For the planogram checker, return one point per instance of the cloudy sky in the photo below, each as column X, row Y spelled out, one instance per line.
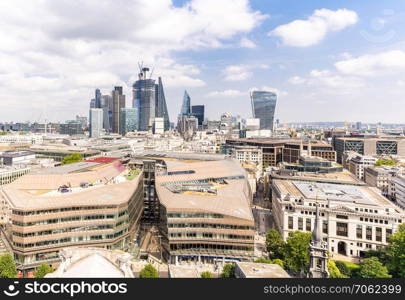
column 328, row 60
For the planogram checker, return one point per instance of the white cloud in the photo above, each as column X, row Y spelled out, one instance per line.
column 374, row 64
column 227, row 93
column 246, row 43
column 241, row 72
column 64, row 49
column 237, row 73
column 331, row 80
column 304, row 33
column 297, row 80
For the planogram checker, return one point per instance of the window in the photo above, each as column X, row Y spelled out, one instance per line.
column 290, row 223
column 369, row 233
column 378, row 234
column 300, row 224
column 308, row 224
column 388, row 233
column 341, row 217
column 359, row 231
column 341, row 229
column 325, row 227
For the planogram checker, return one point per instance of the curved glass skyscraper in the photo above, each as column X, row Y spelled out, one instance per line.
column 263, row 107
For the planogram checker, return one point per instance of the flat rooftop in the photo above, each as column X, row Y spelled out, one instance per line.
column 262, row 270
column 344, row 177
column 340, row 194
column 232, row 198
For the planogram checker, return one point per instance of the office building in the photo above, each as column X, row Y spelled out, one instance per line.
column 198, row 112
column 16, row 158
column 161, row 106
column 358, row 163
column 129, row 120
column 150, row 101
column 107, row 106
column 382, row 178
column 72, row 127
column 263, row 107
column 118, row 102
column 354, row 218
column 62, row 210
column 158, row 126
column 399, row 189
column 96, row 122
column 186, row 106
column 205, row 212
column 369, row 146
column 97, row 99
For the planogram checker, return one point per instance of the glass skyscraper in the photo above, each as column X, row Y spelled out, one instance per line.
column 129, row 120
column 263, row 107
column 186, row 106
column 149, row 100
column 198, row 112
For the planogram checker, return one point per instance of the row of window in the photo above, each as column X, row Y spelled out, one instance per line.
column 70, row 229
column 56, row 210
column 69, row 219
column 73, row 239
column 208, row 225
column 209, row 235
column 194, row 215
column 198, row 247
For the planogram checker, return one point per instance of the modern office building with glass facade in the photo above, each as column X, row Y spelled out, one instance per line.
column 198, row 112
column 129, row 120
column 149, row 100
column 186, row 106
column 205, row 212
column 263, row 108
column 83, row 204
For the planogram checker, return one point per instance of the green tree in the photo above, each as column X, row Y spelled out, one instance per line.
column 262, row 260
column 396, row 253
column 274, row 244
column 228, row 271
column 7, row 266
column 278, row 262
column 207, row 274
column 296, row 251
column 348, row 269
column 75, row 157
column 42, row 270
column 334, row 271
column 149, row 271
column 372, row 268
column 270, row 261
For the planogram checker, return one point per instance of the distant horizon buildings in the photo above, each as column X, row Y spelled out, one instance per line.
column 263, row 108
column 129, row 120
column 186, row 105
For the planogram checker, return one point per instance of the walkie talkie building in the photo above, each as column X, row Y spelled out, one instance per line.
column 263, row 107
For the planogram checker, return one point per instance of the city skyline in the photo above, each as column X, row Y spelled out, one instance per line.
column 353, row 57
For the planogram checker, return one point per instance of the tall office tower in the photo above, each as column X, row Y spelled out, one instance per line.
column 129, row 120
column 263, row 107
column 97, row 98
column 92, row 103
column 198, row 112
column 118, row 102
column 107, row 105
column 150, row 101
column 161, row 107
column 186, row 106
column 96, row 122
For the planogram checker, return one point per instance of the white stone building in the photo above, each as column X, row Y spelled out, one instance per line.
column 355, row 219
